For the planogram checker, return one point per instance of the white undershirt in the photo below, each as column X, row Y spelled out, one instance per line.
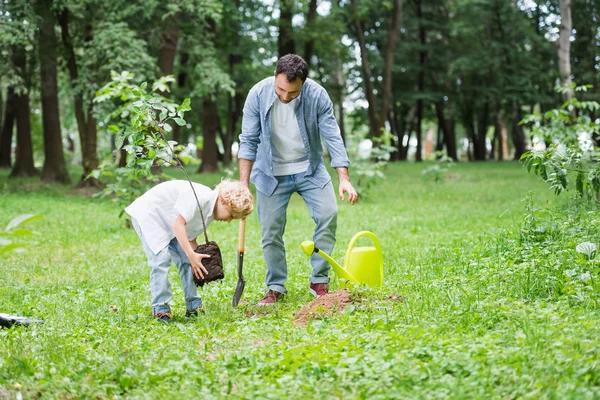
column 289, row 154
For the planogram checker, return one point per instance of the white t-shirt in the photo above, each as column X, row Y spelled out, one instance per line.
column 156, row 210
column 289, row 154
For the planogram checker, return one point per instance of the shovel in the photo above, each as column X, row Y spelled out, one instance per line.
column 239, row 289
column 7, row 320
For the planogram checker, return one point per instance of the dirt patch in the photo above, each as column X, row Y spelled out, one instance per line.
column 214, row 264
column 330, row 304
column 395, row 297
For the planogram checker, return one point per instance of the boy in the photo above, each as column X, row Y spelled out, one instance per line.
column 167, row 220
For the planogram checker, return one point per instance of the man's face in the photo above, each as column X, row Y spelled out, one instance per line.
column 287, row 91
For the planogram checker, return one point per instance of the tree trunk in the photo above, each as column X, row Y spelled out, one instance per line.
column 210, row 122
column 564, row 45
column 24, row 154
column 285, row 41
column 419, row 131
column 470, row 127
column 449, row 139
column 7, row 129
column 338, row 92
column 85, row 127
column 377, row 120
column 366, row 67
column 311, row 16
column 236, row 105
column 517, row 132
column 55, row 168
column 181, row 82
column 479, row 144
column 392, row 41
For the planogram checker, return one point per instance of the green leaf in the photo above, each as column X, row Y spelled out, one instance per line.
column 113, row 128
column 185, row 105
column 22, row 219
column 11, row 247
column 119, row 141
column 179, row 121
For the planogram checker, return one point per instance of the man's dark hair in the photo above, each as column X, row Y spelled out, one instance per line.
column 293, row 66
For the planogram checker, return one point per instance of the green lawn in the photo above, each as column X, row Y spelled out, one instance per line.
column 496, row 303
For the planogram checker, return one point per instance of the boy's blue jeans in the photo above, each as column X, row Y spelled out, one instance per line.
column 160, row 264
column 322, row 205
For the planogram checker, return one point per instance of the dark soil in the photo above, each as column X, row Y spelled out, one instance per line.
column 330, row 304
column 214, row 264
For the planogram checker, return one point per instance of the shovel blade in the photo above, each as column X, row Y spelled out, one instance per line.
column 239, row 290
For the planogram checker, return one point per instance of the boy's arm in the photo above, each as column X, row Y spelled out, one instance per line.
column 194, row 258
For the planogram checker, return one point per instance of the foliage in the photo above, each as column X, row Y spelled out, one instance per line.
column 573, row 152
column 369, row 168
column 14, row 231
column 123, row 186
column 496, row 302
column 143, row 119
column 439, row 170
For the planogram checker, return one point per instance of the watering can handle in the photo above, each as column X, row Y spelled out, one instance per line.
column 375, row 242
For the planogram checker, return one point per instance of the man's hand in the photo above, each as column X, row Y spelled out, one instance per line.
column 197, row 268
column 346, row 187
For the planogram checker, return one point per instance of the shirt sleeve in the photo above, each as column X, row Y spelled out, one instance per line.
column 330, row 131
column 251, row 128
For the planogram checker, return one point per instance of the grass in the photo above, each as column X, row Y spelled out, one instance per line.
column 496, row 301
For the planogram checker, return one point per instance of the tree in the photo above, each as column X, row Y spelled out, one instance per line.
column 55, row 168
column 94, row 45
column 564, row 45
column 378, row 115
column 285, row 41
column 6, row 133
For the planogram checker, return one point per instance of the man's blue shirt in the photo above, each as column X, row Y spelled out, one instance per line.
column 314, row 111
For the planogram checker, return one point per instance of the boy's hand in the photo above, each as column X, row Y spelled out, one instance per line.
column 197, row 268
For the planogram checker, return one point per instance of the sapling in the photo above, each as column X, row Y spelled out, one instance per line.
column 143, row 119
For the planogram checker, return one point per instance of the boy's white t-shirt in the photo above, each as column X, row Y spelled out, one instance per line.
column 156, row 210
column 289, row 154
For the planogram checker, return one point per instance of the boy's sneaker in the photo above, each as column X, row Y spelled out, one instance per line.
column 319, row 289
column 163, row 317
column 194, row 313
column 271, row 298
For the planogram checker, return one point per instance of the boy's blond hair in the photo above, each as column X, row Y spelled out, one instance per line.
column 237, row 197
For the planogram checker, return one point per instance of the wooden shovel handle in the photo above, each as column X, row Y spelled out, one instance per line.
column 241, row 235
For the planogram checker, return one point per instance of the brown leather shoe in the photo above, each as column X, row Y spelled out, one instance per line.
column 271, row 298
column 163, row 317
column 319, row 289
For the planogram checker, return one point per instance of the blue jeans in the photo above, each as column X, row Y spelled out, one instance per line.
column 160, row 264
column 322, row 205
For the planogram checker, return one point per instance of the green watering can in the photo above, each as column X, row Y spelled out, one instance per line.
column 361, row 264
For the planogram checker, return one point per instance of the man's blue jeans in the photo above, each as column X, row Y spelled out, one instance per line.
column 160, row 264
column 322, row 205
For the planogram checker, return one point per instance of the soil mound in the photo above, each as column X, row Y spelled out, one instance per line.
column 327, row 305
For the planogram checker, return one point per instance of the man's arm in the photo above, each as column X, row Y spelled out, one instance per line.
column 245, row 168
column 195, row 259
column 345, row 185
column 330, row 131
column 250, row 136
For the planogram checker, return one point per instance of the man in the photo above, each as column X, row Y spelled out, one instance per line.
column 285, row 117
